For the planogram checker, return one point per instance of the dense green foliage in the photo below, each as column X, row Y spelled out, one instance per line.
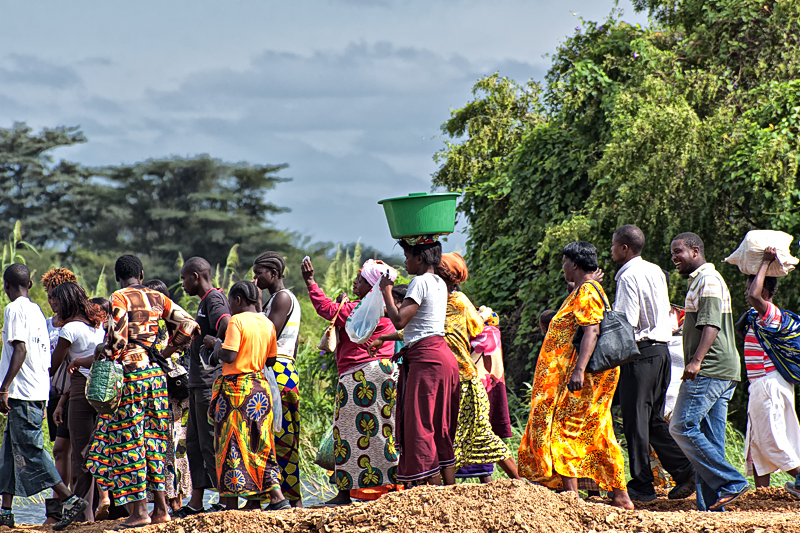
column 688, row 125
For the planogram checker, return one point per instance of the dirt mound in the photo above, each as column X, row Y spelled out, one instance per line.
column 502, row 505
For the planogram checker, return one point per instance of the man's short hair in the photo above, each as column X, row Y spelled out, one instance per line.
column 17, row 275
column 199, row 265
column 128, row 267
column 691, row 240
column 632, row 237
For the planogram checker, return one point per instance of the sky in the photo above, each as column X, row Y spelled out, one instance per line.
column 350, row 93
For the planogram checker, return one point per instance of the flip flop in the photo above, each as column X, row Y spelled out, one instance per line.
column 727, row 499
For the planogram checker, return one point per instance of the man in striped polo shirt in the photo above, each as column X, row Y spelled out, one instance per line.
column 709, row 379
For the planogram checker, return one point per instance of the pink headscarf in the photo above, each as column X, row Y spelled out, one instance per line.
column 373, row 271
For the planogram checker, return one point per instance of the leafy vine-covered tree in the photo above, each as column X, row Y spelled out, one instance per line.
column 690, row 124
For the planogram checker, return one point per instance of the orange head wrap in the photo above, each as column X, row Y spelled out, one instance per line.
column 456, row 265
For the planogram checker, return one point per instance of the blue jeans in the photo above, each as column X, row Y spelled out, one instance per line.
column 698, row 426
column 26, row 468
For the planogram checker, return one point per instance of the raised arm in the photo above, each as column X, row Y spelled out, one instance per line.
column 754, row 297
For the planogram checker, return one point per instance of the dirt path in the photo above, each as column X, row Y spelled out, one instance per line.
column 503, row 505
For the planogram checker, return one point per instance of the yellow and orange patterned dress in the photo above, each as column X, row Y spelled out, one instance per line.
column 570, row 434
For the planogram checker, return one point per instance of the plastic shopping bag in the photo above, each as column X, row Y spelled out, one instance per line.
column 749, row 254
column 104, row 386
column 275, row 394
column 325, row 456
column 364, row 319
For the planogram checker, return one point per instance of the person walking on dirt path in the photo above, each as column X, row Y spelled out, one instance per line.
column 772, row 443
column 283, row 310
column 241, row 407
column 643, row 299
column 126, row 455
column 569, row 434
column 213, row 315
column 428, row 389
column 709, row 378
column 26, row 468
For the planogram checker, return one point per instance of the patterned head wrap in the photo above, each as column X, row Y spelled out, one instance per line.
column 456, row 265
column 373, row 270
column 414, row 240
column 489, row 317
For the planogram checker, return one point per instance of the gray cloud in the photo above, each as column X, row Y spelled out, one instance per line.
column 31, row 70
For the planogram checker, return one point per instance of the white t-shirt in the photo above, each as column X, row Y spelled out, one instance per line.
column 84, row 339
column 25, row 322
column 430, row 292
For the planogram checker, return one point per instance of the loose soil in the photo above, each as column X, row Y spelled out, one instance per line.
column 502, row 505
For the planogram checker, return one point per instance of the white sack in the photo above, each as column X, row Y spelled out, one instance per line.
column 749, row 254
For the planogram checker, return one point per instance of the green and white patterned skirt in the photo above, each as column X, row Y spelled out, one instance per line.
column 363, row 427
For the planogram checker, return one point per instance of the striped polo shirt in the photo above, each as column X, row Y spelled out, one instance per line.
column 708, row 303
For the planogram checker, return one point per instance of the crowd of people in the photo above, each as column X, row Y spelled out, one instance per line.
column 421, row 401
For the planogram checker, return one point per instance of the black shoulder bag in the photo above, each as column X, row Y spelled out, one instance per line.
column 177, row 377
column 616, row 344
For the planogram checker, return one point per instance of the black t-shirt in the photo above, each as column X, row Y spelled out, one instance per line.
column 213, row 307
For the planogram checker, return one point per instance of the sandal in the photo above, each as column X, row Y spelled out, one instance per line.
column 725, row 500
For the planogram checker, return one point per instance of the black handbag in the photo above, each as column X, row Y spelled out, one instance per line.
column 177, row 376
column 616, row 344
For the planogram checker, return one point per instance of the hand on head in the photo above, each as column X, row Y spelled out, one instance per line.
column 770, row 254
column 386, row 281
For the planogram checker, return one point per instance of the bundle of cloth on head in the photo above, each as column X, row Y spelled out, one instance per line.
column 373, row 270
column 456, row 265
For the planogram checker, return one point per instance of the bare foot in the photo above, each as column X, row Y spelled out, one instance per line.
column 136, row 523
column 159, row 517
column 621, row 499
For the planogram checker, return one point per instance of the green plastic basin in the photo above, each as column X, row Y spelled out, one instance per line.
column 421, row 213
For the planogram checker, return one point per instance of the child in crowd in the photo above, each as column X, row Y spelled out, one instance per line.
column 26, row 468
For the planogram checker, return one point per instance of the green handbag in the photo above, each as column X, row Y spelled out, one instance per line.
column 104, row 386
column 325, row 457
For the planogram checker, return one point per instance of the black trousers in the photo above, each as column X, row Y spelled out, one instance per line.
column 82, row 422
column 643, row 388
column 200, row 440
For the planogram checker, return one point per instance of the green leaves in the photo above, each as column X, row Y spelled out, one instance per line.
column 690, row 125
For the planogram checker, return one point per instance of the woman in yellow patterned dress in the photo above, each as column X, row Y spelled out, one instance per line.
column 569, row 433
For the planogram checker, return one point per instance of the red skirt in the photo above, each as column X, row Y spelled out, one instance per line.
column 428, row 394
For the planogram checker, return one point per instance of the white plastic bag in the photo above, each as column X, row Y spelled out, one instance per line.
column 749, row 254
column 275, row 394
column 364, row 319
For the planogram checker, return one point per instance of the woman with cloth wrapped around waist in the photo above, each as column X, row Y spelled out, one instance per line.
column 241, row 407
column 363, row 425
column 428, row 390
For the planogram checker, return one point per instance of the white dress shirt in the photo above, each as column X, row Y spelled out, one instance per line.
column 642, row 296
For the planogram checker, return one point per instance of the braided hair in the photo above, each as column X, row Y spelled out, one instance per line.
column 246, row 290
column 74, row 304
column 55, row 277
column 271, row 261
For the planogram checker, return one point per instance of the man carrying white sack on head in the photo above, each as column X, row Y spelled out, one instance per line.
column 772, row 360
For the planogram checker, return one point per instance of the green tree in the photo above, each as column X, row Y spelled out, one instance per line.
column 688, row 125
column 48, row 198
column 195, row 206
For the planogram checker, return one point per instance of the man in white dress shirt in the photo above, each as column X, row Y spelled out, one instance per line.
column 643, row 298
